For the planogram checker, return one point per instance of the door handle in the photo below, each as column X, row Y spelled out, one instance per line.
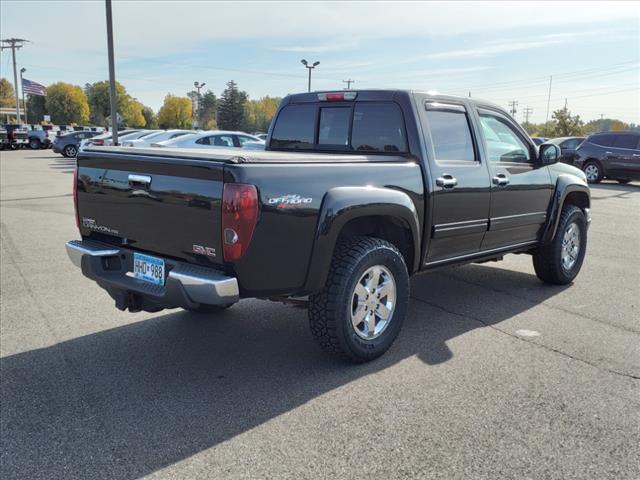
column 140, row 179
column 446, row 181
column 500, row 179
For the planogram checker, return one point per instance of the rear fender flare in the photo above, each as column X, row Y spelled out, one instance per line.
column 343, row 204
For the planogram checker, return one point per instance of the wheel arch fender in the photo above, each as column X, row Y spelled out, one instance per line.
column 569, row 190
column 342, row 205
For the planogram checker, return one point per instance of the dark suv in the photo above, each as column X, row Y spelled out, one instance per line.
column 614, row 155
column 568, row 146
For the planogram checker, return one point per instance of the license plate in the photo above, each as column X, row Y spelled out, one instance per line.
column 147, row 268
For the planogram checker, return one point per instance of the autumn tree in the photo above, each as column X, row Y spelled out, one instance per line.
column 566, row 124
column 258, row 113
column 231, row 107
column 175, row 112
column 7, row 94
column 67, row 103
column 132, row 114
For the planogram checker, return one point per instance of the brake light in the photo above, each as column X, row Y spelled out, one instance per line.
column 239, row 217
column 337, row 96
column 99, row 141
column 75, row 196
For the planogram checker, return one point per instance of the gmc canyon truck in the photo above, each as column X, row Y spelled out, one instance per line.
column 355, row 192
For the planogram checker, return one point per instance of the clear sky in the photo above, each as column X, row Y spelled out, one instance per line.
column 499, row 51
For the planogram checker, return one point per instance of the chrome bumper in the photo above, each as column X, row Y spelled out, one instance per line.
column 186, row 285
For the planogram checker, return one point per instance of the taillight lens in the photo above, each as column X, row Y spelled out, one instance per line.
column 75, row 196
column 98, row 142
column 239, row 217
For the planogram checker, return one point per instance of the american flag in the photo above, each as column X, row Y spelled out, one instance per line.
column 33, row 88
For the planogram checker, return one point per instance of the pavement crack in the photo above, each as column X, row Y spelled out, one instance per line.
column 540, row 345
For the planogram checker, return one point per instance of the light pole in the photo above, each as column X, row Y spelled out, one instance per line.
column 197, row 105
column 112, row 76
column 26, row 118
column 309, row 67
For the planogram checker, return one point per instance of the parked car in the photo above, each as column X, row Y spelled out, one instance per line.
column 156, row 137
column 568, row 146
column 68, row 144
column 38, row 137
column 122, row 134
column 210, row 139
column 4, row 139
column 356, row 191
column 136, row 135
column 539, row 140
column 97, row 140
column 261, row 145
column 262, row 136
column 614, row 155
column 18, row 135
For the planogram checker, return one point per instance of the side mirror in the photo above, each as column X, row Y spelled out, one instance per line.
column 548, row 153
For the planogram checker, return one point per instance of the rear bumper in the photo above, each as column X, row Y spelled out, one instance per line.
column 186, row 285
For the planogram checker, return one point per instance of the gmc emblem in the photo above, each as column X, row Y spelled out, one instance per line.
column 207, row 251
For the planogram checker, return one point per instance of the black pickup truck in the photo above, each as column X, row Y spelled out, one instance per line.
column 355, row 192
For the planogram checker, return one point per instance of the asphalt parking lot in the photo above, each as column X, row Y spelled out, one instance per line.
column 494, row 375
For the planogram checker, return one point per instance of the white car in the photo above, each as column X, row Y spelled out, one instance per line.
column 151, row 140
column 136, row 135
column 211, row 139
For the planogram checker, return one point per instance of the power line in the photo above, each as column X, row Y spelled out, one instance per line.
column 513, row 104
column 527, row 111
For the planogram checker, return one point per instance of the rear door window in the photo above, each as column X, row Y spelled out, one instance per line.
column 378, row 128
column 451, row 136
column 295, row 127
column 626, row 141
column 334, row 126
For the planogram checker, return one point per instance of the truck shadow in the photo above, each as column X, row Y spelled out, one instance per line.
column 128, row 401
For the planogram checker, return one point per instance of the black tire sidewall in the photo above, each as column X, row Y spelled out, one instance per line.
column 599, row 167
column 35, row 144
column 578, row 218
column 369, row 349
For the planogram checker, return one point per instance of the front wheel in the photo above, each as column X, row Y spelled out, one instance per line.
column 560, row 261
column 70, row 151
column 359, row 312
column 34, row 144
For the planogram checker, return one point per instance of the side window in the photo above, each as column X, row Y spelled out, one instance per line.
column 221, row 141
column 334, row 126
column 294, row 127
column 571, row 144
column 244, row 139
column 604, row 140
column 626, row 141
column 179, row 134
column 503, row 143
column 203, row 141
column 451, row 136
column 378, row 128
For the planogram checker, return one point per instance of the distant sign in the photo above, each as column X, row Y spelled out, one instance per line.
column 47, row 118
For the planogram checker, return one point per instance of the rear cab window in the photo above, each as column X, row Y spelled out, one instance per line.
column 362, row 127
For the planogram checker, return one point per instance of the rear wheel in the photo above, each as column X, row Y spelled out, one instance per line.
column 35, row 144
column 70, row 151
column 593, row 172
column 359, row 312
column 560, row 261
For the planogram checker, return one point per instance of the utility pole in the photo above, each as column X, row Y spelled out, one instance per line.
column 565, row 103
column 348, row 82
column 513, row 104
column 549, row 97
column 14, row 44
column 26, row 118
column 112, row 75
column 309, row 67
column 197, row 103
column 527, row 111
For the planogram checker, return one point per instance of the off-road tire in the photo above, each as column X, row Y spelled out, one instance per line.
column 547, row 261
column 597, row 165
column 209, row 309
column 330, row 309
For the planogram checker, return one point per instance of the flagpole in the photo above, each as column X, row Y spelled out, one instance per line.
column 24, row 104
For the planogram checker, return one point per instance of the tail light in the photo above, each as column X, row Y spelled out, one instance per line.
column 239, row 217
column 75, row 196
column 99, row 141
column 12, row 135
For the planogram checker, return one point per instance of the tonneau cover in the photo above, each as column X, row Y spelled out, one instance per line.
column 237, row 155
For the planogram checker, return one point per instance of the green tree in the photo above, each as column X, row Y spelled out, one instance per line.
column 175, row 112
column 36, row 108
column 149, row 117
column 566, row 124
column 207, row 111
column 231, row 107
column 7, row 94
column 258, row 113
column 67, row 103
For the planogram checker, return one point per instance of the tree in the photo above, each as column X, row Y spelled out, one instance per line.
column 207, row 111
column 175, row 112
column 67, row 103
column 231, row 107
column 567, row 124
column 132, row 114
column 100, row 101
column 7, row 94
column 36, row 108
column 149, row 117
column 258, row 113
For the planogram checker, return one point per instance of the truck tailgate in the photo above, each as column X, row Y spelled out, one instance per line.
column 165, row 206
